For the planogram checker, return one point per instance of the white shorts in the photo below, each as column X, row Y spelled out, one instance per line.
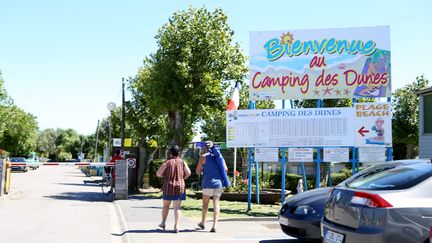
column 212, row 192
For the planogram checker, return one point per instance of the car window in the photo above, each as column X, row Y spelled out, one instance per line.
column 17, row 160
column 391, row 177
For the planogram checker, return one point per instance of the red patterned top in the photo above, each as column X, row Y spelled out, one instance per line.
column 173, row 177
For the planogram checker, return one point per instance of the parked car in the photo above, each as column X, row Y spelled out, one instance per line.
column 388, row 202
column 19, row 163
column 33, row 162
column 301, row 214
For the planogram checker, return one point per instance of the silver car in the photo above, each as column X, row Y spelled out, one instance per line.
column 389, row 202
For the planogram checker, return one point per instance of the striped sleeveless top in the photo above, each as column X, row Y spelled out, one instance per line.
column 173, row 176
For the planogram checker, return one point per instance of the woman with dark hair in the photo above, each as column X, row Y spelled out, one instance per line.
column 174, row 172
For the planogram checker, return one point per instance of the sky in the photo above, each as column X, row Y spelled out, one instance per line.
column 63, row 61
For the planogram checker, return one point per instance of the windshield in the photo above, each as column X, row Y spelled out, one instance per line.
column 17, row 160
column 391, row 177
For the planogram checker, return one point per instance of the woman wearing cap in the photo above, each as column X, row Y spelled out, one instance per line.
column 212, row 182
column 174, row 172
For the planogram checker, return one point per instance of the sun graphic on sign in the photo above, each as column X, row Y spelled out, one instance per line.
column 287, row 38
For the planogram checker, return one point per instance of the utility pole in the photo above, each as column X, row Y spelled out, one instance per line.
column 97, row 137
column 123, row 116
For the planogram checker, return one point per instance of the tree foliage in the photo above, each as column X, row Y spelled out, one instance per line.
column 191, row 69
column 405, row 121
column 19, row 134
column 60, row 144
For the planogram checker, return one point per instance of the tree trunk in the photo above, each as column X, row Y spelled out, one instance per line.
column 175, row 119
column 410, row 152
column 146, row 155
column 245, row 162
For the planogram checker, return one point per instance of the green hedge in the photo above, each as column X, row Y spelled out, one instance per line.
column 291, row 181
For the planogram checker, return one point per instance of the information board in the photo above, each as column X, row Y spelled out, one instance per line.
column 291, row 128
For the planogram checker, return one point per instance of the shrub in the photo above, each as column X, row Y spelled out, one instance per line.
column 341, row 176
column 291, row 181
column 155, row 181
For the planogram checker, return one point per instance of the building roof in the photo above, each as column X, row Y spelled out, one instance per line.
column 424, row 91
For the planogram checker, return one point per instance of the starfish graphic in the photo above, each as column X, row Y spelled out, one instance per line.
column 316, row 92
column 327, row 91
column 338, row 92
column 346, row 91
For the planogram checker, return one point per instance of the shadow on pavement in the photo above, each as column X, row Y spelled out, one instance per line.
column 153, row 231
column 230, row 211
column 83, row 196
column 283, row 241
column 79, row 184
column 151, row 207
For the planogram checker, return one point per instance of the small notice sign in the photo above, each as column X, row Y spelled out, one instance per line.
column 372, row 154
column 117, row 142
column 300, row 154
column 267, row 154
column 128, row 142
column 336, row 154
column 131, row 162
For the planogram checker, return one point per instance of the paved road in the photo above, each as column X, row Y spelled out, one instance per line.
column 52, row 204
column 143, row 215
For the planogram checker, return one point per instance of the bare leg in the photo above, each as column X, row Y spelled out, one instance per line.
column 216, row 211
column 165, row 210
column 205, row 203
column 177, row 215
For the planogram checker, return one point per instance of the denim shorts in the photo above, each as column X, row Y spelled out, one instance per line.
column 174, row 198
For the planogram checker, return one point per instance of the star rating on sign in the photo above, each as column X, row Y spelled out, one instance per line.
column 327, row 91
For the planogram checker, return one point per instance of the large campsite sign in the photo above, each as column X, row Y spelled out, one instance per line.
column 320, row 64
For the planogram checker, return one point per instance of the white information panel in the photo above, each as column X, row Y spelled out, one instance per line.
column 373, row 124
column 372, row 154
column 267, row 154
column 291, row 128
column 336, row 154
column 300, row 154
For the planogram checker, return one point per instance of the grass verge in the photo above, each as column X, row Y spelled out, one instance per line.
column 191, row 207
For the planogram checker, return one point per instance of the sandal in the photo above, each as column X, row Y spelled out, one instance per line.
column 201, row 225
column 162, row 226
column 213, row 230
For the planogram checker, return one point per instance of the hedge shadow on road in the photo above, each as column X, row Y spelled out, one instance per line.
column 82, row 196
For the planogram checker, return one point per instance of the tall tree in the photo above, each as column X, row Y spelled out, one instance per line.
column 149, row 127
column 405, row 121
column 45, row 143
column 4, row 103
column 188, row 74
column 19, row 135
